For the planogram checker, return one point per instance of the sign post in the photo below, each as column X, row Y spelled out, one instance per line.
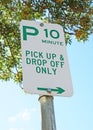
column 45, row 66
column 47, row 113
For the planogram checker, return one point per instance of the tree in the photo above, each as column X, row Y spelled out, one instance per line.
column 75, row 16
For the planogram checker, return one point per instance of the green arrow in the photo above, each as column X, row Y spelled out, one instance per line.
column 58, row 90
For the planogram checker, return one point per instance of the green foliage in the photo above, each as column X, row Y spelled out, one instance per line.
column 75, row 16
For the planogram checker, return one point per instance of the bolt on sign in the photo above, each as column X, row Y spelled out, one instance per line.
column 44, row 59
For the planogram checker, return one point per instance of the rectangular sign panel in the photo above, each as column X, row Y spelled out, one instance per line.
column 44, row 59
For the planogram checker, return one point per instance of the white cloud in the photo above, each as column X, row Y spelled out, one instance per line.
column 16, row 129
column 12, row 129
column 33, row 109
column 24, row 115
column 12, row 118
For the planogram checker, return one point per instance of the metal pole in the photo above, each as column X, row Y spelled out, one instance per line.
column 47, row 113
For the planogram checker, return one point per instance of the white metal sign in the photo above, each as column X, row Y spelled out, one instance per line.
column 44, row 59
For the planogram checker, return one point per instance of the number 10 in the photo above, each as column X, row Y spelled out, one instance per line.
column 53, row 33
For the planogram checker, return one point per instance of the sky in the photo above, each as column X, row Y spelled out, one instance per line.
column 21, row 111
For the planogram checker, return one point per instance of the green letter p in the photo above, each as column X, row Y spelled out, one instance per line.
column 26, row 32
